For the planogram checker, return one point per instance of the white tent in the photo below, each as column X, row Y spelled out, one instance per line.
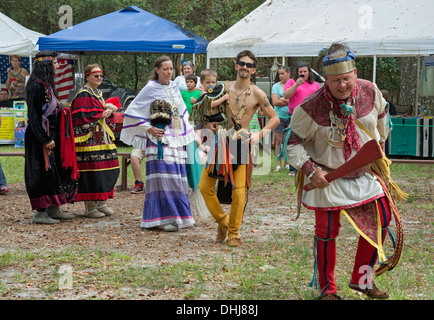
column 15, row 39
column 301, row 28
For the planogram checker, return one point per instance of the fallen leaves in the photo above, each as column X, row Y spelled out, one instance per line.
column 100, row 275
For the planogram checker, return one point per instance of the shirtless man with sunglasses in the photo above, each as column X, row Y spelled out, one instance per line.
column 244, row 99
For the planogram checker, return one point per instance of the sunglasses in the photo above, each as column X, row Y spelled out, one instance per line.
column 246, row 64
column 98, row 76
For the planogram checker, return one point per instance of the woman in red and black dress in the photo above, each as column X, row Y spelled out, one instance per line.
column 94, row 145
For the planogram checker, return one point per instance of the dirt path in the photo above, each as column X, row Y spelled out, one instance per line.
column 122, row 231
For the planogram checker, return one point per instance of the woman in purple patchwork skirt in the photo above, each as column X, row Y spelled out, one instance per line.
column 167, row 205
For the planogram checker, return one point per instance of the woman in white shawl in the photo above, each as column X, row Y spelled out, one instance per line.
column 167, row 205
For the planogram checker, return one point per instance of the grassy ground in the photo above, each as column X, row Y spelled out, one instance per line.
column 274, row 263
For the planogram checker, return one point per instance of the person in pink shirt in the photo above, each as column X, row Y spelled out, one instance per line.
column 296, row 90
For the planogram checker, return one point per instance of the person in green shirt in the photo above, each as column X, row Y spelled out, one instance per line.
column 192, row 93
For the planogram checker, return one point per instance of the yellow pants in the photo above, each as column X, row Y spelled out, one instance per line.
column 207, row 188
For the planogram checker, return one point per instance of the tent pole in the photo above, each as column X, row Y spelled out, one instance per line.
column 79, row 72
column 374, row 71
column 417, row 87
column 82, row 69
column 30, row 64
column 194, row 59
column 31, row 58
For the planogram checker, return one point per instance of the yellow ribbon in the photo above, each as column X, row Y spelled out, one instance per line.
column 378, row 246
column 85, row 148
column 81, row 139
column 106, row 130
column 382, row 166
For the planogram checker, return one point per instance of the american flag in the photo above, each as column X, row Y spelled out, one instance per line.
column 64, row 76
column 64, row 79
column 5, row 64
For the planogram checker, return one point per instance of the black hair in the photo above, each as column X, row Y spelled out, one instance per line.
column 303, row 64
column 43, row 70
column 246, row 53
column 191, row 76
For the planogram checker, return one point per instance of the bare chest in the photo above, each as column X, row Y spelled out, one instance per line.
column 241, row 107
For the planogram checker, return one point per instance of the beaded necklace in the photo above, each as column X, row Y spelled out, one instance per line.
column 237, row 118
column 342, row 115
column 239, row 95
column 341, row 124
column 95, row 92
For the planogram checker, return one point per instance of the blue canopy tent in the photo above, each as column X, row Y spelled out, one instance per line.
column 130, row 30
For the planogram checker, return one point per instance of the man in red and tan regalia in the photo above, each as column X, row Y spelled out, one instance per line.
column 327, row 129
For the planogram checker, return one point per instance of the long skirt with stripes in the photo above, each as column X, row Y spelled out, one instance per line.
column 99, row 170
column 97, row 157
column 166, row 188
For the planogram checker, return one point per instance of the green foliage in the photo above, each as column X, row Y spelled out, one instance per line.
column 206, row 18
column 388, row 74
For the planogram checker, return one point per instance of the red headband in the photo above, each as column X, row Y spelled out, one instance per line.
column 86, row 74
